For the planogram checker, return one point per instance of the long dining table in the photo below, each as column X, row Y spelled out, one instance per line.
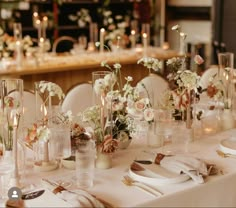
column 216, row 191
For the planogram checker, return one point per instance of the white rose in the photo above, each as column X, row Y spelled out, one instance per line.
column 148, row 114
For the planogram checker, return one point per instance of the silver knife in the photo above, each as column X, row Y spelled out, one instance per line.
column 32, row 195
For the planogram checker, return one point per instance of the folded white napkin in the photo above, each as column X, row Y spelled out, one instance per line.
column 78, row 198
column 196, row 168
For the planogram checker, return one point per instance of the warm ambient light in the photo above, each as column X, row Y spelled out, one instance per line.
column 35, row 14
column 144, row 35
column 132, row 32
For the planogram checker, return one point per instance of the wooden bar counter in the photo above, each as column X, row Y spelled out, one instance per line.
column 68, row 70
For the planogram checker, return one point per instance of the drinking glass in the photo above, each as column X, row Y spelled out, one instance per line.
column 11, row 108
column 165, row 127
column 85, row 161
column 225, row 73
column 60, row 142
column 5, row 169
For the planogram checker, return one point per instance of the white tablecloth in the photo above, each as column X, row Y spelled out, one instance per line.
column 217, row 191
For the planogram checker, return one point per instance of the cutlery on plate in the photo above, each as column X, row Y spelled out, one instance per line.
column 131, row 182
column 145, row 162
column 222, row 154
column 136, row 167
column 32, row 195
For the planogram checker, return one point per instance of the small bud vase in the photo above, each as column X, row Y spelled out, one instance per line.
column 103, row 160
column 227, row 120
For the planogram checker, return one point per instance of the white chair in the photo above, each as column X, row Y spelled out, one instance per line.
column 78, row 98
column 29, row 106
column 204, row 80
column 155, row 87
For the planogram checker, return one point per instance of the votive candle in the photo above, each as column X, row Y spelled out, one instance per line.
column 102, row 32
column 133, row 39
column 18, row 54
column 35, row 18
column 44, row 26
column 145, row 44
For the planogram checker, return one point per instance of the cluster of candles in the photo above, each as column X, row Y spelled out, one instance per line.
column 145, row 40
column 41, row 25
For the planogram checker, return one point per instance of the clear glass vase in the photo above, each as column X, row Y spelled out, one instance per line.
column 225, row 76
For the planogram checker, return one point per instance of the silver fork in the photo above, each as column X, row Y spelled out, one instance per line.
column 131, row 182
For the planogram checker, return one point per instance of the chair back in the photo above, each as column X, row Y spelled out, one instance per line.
column 29, row 101
column 155, row 86
column 69, row 39
column 204, row 80
column 78, row 98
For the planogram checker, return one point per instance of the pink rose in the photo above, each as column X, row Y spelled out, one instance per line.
column 140, row 105
column 198, row 59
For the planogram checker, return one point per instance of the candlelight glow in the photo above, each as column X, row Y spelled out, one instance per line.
column 38, row 22
column 15, row 121
column 17, row 42
column 132, row 32
column 35, row 14
column 41, row 40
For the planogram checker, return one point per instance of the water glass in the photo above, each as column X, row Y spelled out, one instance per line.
column 60, row 142
column 85, row 161
column 5, row 169
column 181, row 138
column 154, row 138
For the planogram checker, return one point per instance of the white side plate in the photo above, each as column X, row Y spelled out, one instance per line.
column 228, row 145
column 157, row 175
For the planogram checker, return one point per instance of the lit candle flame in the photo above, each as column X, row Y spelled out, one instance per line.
column 132, row 32
column 35, row 14
column 41, row 40
column 38, row 22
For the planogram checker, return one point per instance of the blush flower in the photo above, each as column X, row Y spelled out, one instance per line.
column 198, row 59
column 148, row 114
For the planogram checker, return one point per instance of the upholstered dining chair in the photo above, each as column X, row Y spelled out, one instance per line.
column 68, row 43
column 154, row 86
column 29, row 106
column 78, row 98
column 204, row 80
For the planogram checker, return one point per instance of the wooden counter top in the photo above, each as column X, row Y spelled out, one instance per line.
column 58, row 63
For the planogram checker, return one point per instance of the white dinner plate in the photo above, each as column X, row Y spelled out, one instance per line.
column 228, row 145
column 157, row 175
